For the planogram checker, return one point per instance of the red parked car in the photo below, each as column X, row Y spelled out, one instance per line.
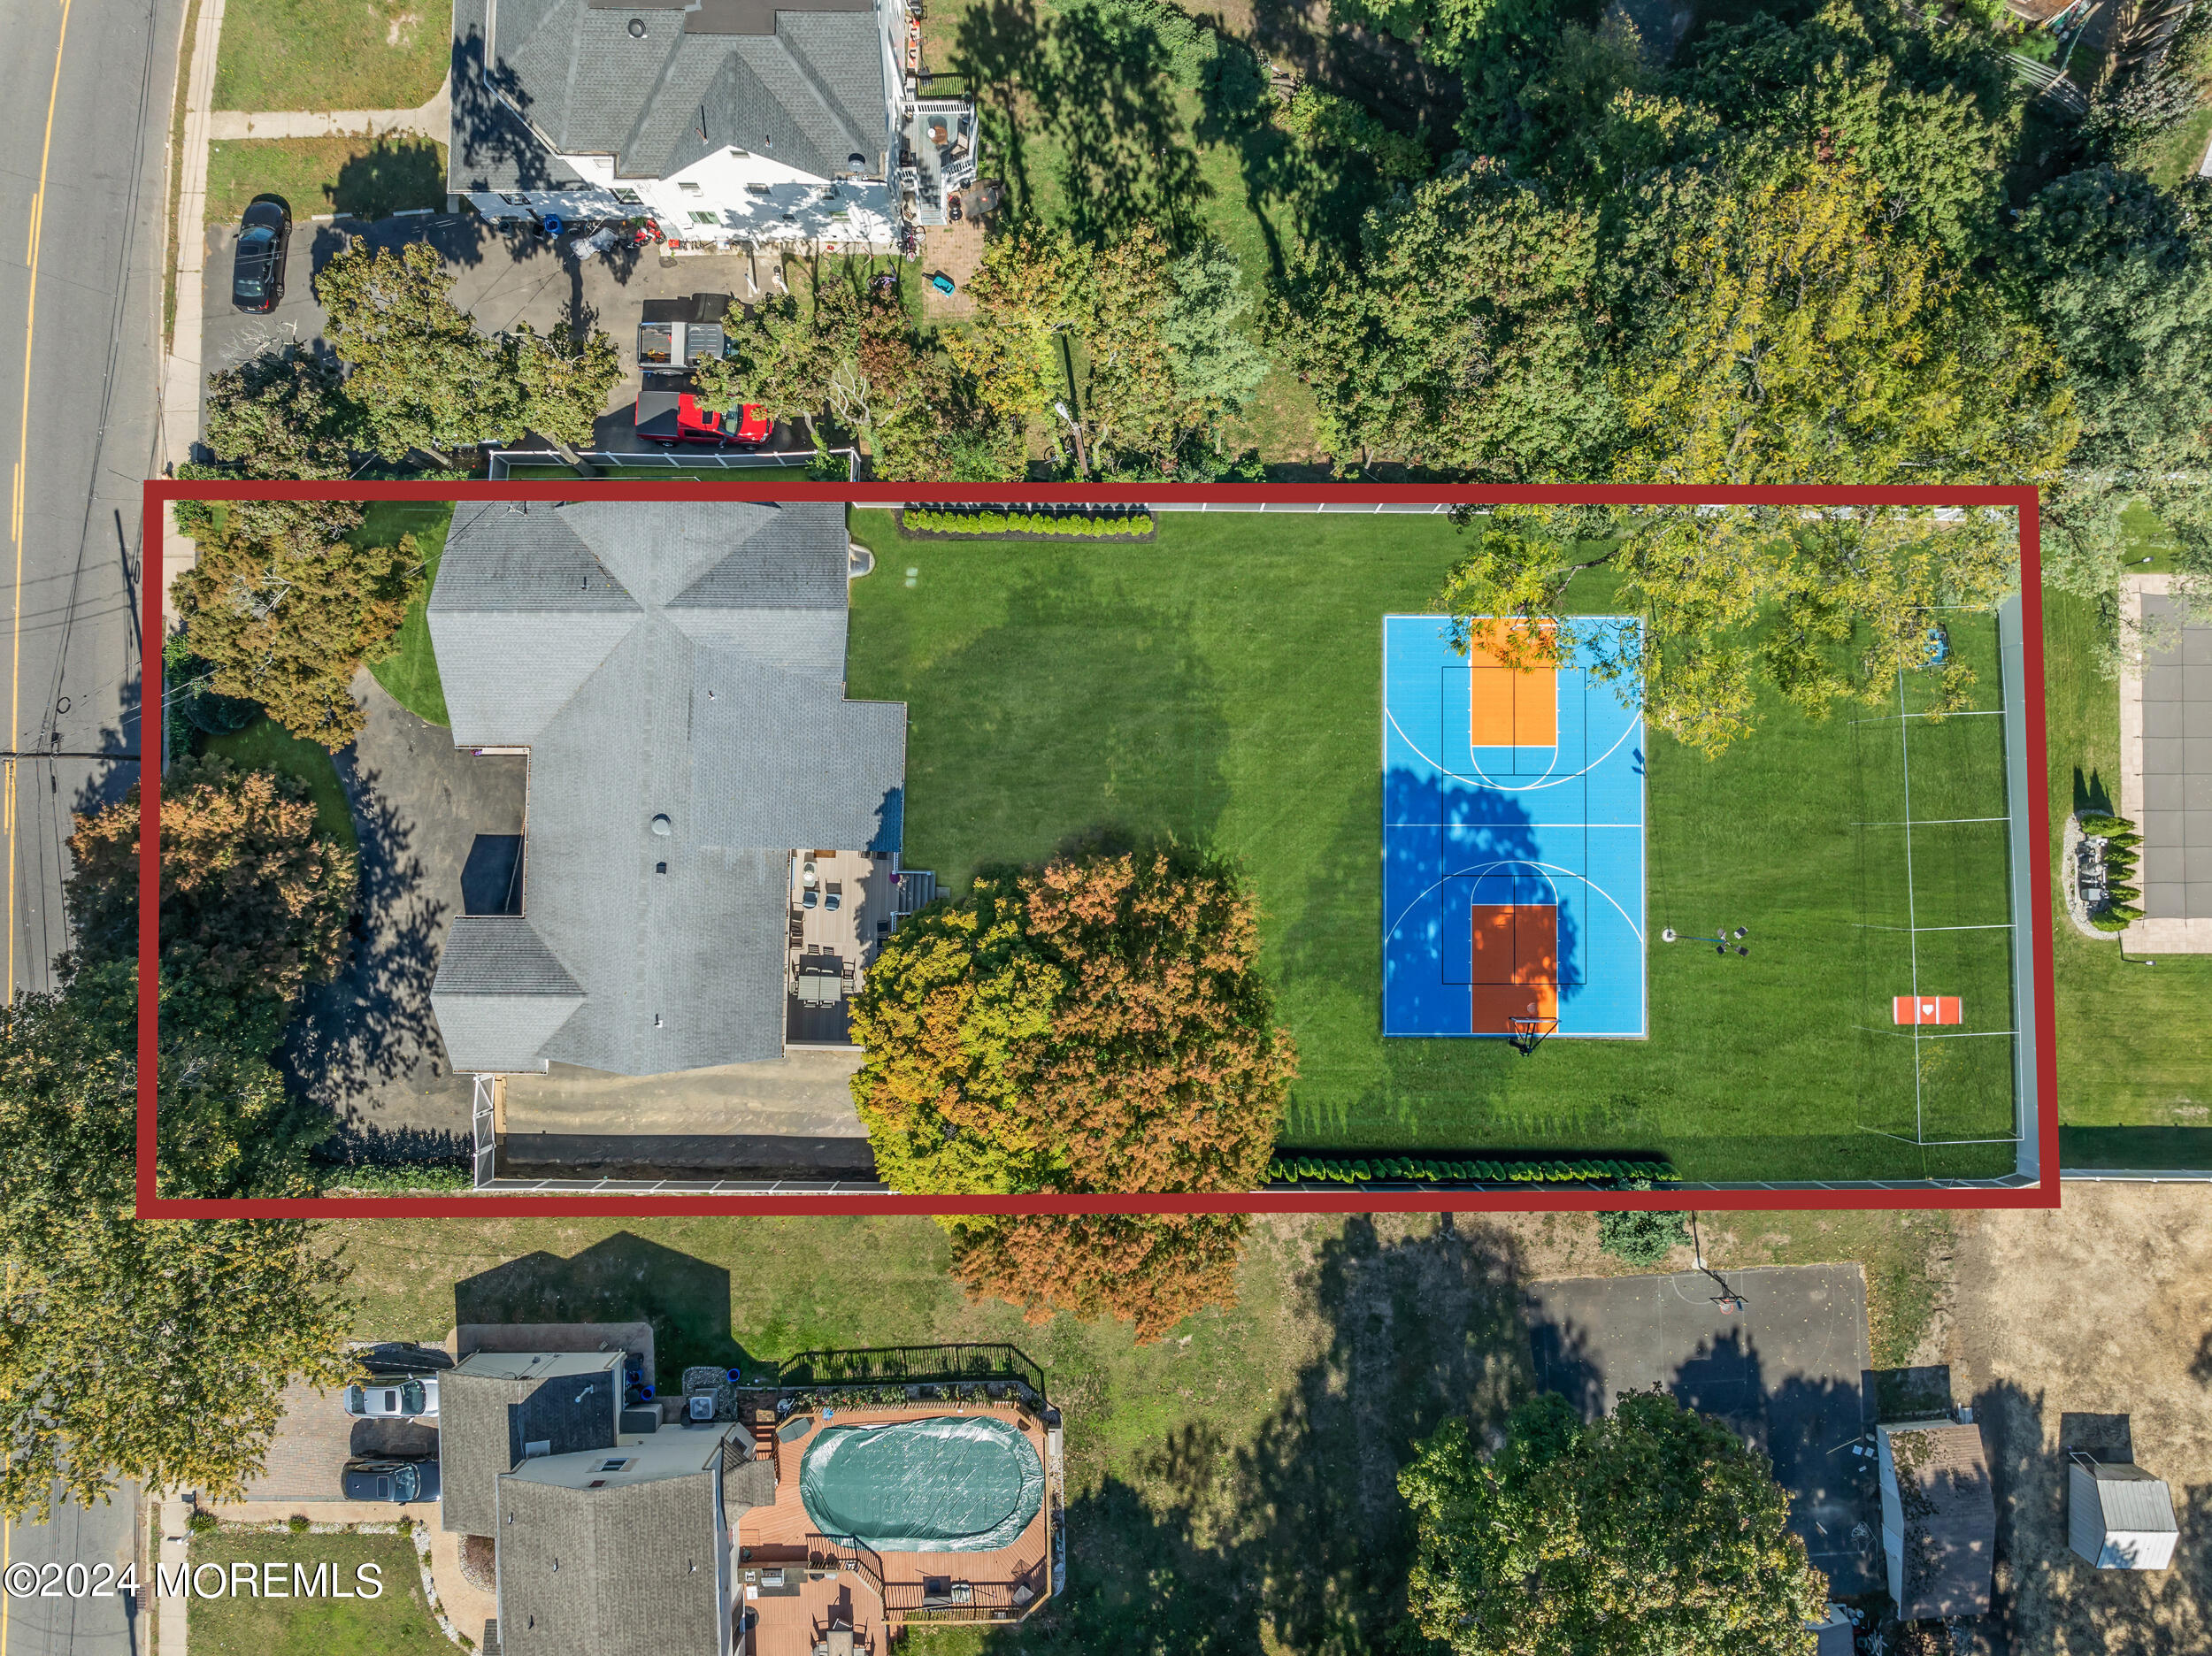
column 668, row 418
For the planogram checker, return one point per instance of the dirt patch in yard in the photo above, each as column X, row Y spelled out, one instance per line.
column 953, row 250
column 2092, row 1326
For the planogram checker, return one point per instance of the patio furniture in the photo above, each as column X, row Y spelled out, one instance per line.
column 834, row 899
column 808, row 900
column 840, row 1641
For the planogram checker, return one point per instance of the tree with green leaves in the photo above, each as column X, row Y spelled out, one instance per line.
column 154, row 1352
column 1463, row 334
column 564, row 385
column 280, row 414
column 416, row 367
column 1098, row 1024
column 288, row 625
column 2120, row 271
column 254, row 899
column 69, row 1095
column 1654, row 1529
column 1924, row 107
column 1819, row 610
column 779, row 361
column 1785, row 332
column 159, row 1353
column 1155, row 343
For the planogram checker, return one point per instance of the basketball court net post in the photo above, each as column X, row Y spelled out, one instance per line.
column 1527, row 1033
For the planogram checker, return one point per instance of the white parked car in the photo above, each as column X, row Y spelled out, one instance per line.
column 409, row 1398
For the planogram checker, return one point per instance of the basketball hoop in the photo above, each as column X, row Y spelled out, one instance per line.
column 1527, row 1033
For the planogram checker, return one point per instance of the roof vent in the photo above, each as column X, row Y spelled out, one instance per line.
column 637, row 28
column 857, row 159
column 663, row 827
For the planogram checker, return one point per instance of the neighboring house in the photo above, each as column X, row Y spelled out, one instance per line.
column 676, row 674
column 727, row 122
column 613, row 1534
column 1939, row 1519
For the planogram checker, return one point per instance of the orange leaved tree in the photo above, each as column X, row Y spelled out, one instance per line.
column 1096, row 1026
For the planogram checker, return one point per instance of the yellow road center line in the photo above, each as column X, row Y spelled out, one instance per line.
column 22, row 467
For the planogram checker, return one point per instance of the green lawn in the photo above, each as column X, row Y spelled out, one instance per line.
column 332, row 54
column 266, row 745
column 1221, row 684
column 2132, row 1048
column 365, row 178
column 1230, row 1488
column 1085, row 129
column 398, row 1620
column 410, row 673
column 2181, row 151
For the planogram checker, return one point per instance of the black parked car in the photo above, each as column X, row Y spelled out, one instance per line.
column 392, row 1480
column 256, row 279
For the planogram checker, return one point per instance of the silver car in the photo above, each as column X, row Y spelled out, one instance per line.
column 414, row 1397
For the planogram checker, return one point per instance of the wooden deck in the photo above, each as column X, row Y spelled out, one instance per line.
column 837, row 1587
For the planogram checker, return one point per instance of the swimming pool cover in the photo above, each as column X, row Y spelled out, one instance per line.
column 944, row 1484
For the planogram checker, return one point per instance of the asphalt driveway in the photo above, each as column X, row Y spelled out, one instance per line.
column 1789, row 1372
column 503, row 276
column 432, row 820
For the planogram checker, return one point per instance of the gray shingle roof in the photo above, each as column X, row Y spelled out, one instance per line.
column 491, row 1405
column 803, row 82
column 500, row 994
column 629, row 1570
column 718, row 703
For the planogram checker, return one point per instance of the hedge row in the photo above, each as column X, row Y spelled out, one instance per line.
column 388, row 1178
column 929, row 520
column 1353, row 1170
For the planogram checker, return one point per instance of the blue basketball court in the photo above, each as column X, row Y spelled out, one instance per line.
column 1513, row 841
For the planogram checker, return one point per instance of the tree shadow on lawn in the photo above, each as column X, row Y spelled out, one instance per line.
column 398, row 171
column 1202, row 1543
column 1096, row 86
column 1057, row 721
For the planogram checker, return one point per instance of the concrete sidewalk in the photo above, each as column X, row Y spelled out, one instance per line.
column 433, row 120
column 182, row 376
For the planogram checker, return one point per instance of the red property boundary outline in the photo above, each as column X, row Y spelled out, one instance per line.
column 2022, row 499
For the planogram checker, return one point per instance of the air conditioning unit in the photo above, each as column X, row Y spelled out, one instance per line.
column 702, row 1407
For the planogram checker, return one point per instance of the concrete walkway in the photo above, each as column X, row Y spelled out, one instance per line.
column 173, row 1550
column 433, row 120
column 182, row 376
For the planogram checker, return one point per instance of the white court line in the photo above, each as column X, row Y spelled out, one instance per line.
column 1549, row 869
column 1994, row 925
column 1483, row 778
column 1931, row 822
column 1513, row 825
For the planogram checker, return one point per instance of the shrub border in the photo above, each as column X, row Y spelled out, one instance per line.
column 1296, row 1170
column 1151, row 534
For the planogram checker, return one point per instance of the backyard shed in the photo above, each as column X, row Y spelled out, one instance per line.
column 2118, row 1516
column 1939, row 1519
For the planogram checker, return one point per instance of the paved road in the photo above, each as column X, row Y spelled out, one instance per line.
column 85, row 92
column 36, row 1624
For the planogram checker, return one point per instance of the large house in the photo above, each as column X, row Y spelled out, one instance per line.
column 710, row 856
column 742, row 1521
column 613, row 1533
column 727, row 122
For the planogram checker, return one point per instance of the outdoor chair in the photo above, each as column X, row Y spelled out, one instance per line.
column 807, row 901
column 835, row 900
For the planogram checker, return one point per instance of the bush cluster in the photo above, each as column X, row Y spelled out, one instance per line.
column 1356, row 1169
column 2121, row 858
column 1080, row 525
column 391, row 1177
column 1328, row 121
